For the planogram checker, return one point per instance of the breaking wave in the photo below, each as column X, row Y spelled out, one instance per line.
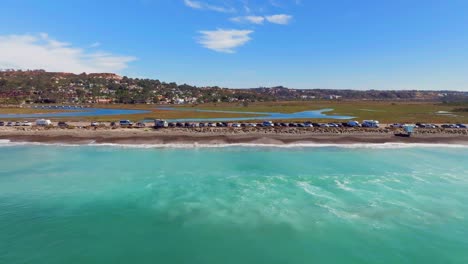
column 8, row 143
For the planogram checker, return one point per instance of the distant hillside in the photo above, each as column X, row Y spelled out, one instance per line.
column 39, row 86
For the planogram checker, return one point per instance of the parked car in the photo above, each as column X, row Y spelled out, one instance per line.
column 140, row 125
column 292, row 125
column 2, row 123
column 236, row 125
column 251, row 125
column 428, row 126
column 62, row 124
column 371, row 123
column 396, row 125
column 125, row 123
column 179, row 124
column 18, row 123
column 324, row 125
column 267, row 124
column 160, row 123
column 172, row 124
column 95, row 124
column 9, row 124
column 353, row 123
column 461, row 125
column 202, row 125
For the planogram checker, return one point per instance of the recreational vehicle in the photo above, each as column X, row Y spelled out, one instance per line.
column 43, row 122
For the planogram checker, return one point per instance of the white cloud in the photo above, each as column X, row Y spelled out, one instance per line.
column 275, row 19
column 205, row 6
column 222, row 40
column 193, row 4
column 249, row 19
column 281, row 19
column 39, row 51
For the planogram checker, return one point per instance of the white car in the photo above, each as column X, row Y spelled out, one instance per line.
column 236, row 125
column 94, row 124
column 251, row 125
column 27, row 123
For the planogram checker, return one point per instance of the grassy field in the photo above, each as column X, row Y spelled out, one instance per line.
column 385, row 112
column 17, row 110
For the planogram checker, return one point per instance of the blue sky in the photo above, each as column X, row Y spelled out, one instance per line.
column 358, row 44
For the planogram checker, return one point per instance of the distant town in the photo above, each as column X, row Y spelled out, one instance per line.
column 39, row 86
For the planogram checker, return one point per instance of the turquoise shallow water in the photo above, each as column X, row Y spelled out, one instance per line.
column 233, row 205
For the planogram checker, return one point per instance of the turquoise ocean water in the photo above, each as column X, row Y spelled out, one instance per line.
column 107, row 204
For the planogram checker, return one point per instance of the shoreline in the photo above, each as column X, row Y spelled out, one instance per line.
column 223, row 136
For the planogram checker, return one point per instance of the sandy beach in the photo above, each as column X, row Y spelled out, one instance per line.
column 278, row 135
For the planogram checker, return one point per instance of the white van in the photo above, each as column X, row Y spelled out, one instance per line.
column 43, row 122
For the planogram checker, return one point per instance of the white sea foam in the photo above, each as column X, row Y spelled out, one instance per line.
column 6, row 142
column 343, row 185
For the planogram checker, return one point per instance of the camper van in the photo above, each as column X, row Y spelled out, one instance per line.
column 370, row 123
column 43, row 122
column 160, row 123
